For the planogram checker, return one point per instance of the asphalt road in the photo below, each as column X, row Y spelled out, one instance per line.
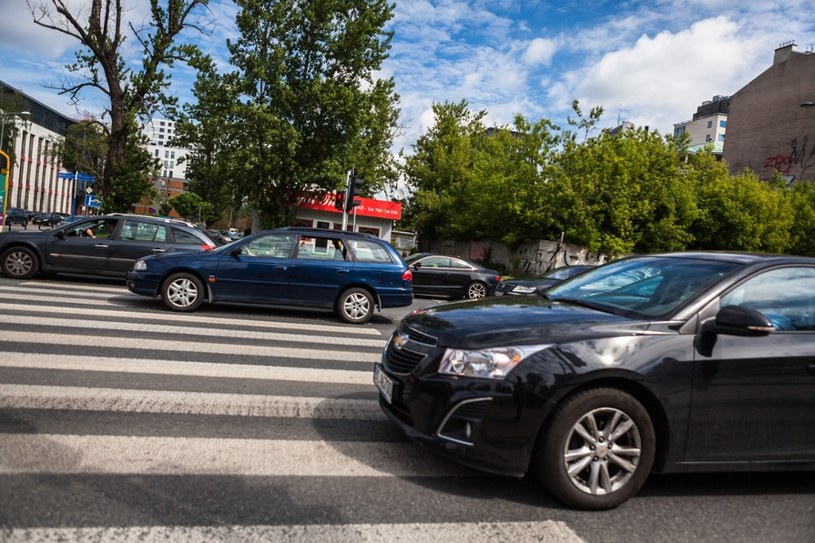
column 122, row 421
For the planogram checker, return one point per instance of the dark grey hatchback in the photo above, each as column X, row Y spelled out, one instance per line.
column 684, row 362
column 101, row 245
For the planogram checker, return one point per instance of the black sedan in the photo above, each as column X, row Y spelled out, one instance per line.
column 683, row 362
column 48, row 218
column 521, row 287
column 447, row 276
column 101, row 245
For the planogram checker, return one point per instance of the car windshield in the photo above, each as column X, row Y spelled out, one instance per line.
column 641, row 287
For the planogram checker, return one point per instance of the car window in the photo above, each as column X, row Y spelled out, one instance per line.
column 143, row 231
column 321, row 248
column 436, row 262
column 270, row 246
column 458, row 263
column 184, row 237
column 786, row 296
column 368, row 251
column 98, row 228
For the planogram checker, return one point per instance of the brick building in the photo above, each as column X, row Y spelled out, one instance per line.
column 771, row 120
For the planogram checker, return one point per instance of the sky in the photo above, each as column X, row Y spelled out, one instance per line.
column 651, row 63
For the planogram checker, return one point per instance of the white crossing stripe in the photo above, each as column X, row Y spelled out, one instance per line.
column 190, row 403
column 545, row 531
column 189, row 369
column 137, row 455
column 93, row 341
column 88, row 323
column 189, row 318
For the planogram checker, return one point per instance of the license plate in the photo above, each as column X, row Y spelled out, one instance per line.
column 383, row 383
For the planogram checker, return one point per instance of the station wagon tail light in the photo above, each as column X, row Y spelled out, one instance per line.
column 498, row 278
column 407, row 276
column 207, row 247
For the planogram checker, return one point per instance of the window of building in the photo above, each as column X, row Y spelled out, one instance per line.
column 323, row 224
column 679, row 130
column 708, row 138
column 723, row 123
column 156, row 152
column 721, row 137
column 710, row 124
column 161, row 123
column 172, row 154
column 166, row 154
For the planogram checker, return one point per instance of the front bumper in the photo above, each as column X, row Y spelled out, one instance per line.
column 488, row 425
column 142, row 283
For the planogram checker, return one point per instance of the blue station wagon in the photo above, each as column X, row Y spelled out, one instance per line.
column 349, row 272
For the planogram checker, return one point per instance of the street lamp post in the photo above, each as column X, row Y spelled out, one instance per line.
column 3, row 116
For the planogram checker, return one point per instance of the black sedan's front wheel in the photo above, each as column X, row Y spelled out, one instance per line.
column 19, row 263
column 598, row 449
column 182, row 292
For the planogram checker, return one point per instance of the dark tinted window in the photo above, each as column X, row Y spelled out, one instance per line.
column 182, row 236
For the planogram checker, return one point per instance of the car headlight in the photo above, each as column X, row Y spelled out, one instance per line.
column 486, row 363
column 523, row 289
column 140, row 265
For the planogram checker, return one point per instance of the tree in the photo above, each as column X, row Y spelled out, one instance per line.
column 192, row 207
column 311, row 108
column 132, row 93
column 207, row 128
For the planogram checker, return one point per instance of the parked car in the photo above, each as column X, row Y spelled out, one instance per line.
column 16, row 215
column 684, row 362
column 520, row 287
column 71, row 247
column 349, row 272
column 49, row 218
column 439, row 275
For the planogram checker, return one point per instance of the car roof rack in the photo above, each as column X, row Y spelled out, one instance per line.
column 323, row 231
column 163, row 219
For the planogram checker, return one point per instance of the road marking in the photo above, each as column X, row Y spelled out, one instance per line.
column 138, row 455
column 546, row 531
column 208, row 333
column 188, row 403
column 190, row 318
column 175, row 367
column 137, row 345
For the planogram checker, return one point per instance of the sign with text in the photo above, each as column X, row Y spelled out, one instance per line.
column 368, row 207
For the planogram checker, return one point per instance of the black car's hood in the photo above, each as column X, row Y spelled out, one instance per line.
column 506, row 320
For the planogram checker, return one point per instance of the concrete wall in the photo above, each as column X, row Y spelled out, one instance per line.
column 529, row 260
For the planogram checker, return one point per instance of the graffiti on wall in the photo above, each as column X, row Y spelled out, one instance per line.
column 796, row 163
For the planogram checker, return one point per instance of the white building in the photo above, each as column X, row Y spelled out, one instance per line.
column 33, row 181
column 708, row 126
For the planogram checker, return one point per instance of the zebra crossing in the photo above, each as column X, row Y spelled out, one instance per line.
column 120, row 421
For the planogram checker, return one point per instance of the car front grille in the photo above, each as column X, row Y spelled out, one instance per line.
column 420, row 337
column 402, row 361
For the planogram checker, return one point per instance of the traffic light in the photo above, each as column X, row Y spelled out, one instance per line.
column 339, row 200
column 350, row 191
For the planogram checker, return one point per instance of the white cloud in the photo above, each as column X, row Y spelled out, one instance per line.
column 540, row 51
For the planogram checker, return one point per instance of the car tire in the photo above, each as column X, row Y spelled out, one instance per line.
column 355, row 306
column 577, row 462
column 19, row 263
column 182, row 292
column 475, row 290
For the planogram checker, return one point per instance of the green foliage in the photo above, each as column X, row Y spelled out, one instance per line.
column 307, row 107
column 634, row 191
column 192, row 207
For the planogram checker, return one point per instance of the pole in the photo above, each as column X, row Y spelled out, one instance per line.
column 348, row 181
column 76, row 184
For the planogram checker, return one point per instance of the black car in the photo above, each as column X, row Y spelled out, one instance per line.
column 101, row 245
column 448, row 276
column 16, row 215
column 520, row 287
column 48, row 218
column 684, row 362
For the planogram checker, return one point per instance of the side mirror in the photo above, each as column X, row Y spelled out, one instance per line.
column 60, row 234
column 735, row 320
column 417, row 266
column 236, row 251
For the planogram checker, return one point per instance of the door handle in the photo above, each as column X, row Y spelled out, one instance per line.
column 159, row 250
column 100, row 246
column 343, row 271
column 281, row 268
